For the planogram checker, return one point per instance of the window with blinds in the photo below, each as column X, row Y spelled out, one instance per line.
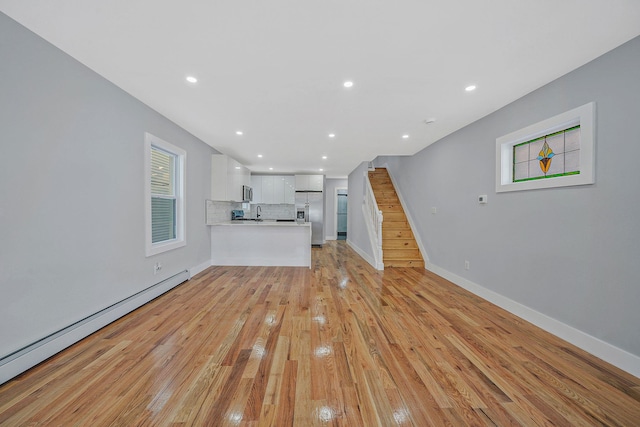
column 163, row 195
column 165, row 166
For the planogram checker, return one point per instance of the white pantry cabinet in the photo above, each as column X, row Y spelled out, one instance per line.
column 227, row 178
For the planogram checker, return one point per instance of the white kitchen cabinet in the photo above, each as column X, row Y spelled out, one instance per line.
column 268, row 188
column 256, row 185
column 309, row 182
column 289, row 189
column 245, row 177
column 302, row 182
column 274, row 189
column 278, row 189
column 227, row 178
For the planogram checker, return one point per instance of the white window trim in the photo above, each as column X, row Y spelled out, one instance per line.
column 181, row 160
column 583, row 116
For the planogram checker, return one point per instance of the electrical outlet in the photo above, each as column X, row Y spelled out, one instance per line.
column 157, row 267
column 482, row 199
column 466, row 264
column 434, row 210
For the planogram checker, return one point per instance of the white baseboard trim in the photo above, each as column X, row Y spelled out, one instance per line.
column 362, row 253
column 28, row 357
column 620, row 358
column 199, row 268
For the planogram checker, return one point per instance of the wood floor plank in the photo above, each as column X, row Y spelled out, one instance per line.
column 338, row 344
column 276, row 375
column 287, row 397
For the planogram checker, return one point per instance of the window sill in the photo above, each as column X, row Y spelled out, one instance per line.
column 158, row 248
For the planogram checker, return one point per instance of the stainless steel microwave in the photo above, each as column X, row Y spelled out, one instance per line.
column 247, row 193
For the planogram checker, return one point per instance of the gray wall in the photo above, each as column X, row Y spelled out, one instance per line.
column 330, row 186
column 357, row 234
column 72, row 221
column 570, row 253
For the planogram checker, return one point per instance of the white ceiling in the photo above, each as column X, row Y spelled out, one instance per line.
column 274, row 69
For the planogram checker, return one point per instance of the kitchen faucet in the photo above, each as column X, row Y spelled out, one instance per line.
column 258, row 211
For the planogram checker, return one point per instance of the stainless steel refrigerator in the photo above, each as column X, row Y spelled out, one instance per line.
column 310, row 207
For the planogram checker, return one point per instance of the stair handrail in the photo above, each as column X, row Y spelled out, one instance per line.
column 374, row 221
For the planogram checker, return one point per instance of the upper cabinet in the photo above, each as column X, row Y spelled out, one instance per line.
column 273, row 189
column 227, row 178
column 309, row 182
column 256, row 185
column 289, row 189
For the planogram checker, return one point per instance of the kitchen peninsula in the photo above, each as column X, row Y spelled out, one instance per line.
column 261, row 243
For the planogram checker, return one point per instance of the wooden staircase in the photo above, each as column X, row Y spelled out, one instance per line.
column 399, row 245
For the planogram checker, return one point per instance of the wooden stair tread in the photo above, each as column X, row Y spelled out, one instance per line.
column 395, row 227
column 394, row 216
column 394, row 253
column 404, row 254
column 399, row 244
column 398, row 263
column 397, row 234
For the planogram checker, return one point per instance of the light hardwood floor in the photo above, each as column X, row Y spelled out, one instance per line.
column 340, row 344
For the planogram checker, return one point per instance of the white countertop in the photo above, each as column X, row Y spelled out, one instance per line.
column 264, row 223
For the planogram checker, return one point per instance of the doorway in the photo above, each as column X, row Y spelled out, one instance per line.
column 341, row 213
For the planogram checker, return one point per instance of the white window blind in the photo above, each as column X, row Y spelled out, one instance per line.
column 163, row 195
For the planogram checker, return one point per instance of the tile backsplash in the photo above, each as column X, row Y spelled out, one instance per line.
column 280, row 211
column 220, row 211
column 217, row 212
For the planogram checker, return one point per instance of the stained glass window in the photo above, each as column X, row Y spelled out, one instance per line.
column 548, row 156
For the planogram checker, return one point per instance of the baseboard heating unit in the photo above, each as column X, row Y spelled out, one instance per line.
column 19, row 361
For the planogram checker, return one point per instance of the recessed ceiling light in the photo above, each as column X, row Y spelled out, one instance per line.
column 348, row 84
column 237, row 167
column 405, row 136
column 270, row 169
column 260, row 155
column 192, row 79
column 332, row 135
column 470, row 88
column 320, row 169
column 239, row 132
column 324, row 157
